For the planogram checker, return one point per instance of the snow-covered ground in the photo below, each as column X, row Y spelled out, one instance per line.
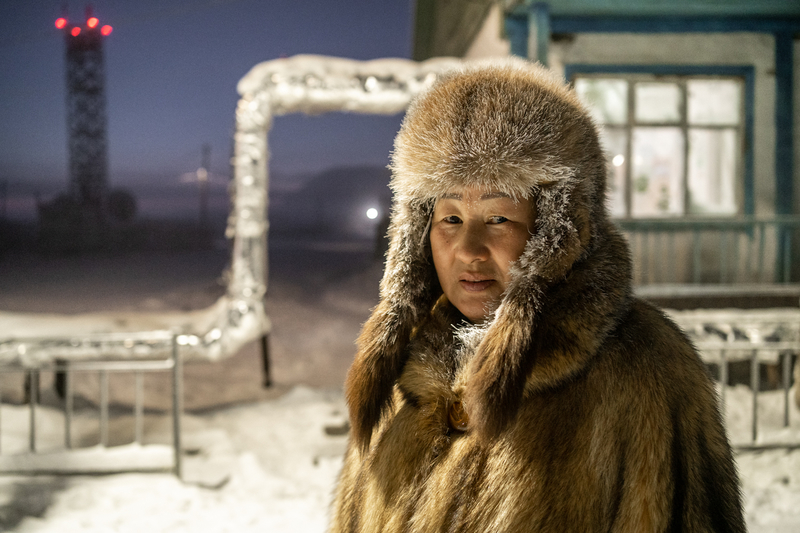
column 260, row 460
column 266, row 466
column 271, row 466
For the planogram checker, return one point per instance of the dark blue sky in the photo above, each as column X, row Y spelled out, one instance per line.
column 171, row 72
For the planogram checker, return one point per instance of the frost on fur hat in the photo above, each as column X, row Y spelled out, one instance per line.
column 510, row 126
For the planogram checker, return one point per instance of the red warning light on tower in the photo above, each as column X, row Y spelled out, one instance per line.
column 91, row 25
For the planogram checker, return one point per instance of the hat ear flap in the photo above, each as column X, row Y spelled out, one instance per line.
column 502, row 362
column 560, row 234
column 406, row 295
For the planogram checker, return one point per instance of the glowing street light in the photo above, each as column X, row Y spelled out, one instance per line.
column 372, row 213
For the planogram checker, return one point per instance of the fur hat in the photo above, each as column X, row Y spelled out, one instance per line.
column 510, row 126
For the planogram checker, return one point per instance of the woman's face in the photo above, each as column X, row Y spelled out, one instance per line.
column 475, row 236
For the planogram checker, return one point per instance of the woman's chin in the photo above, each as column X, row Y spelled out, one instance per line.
column 477, row 311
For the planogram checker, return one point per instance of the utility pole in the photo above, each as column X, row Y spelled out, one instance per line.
column 203, row 175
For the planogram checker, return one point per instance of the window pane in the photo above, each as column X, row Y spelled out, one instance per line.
column 657, row 171
column 658, row 103
column 712, row 171
column 607, row 99
column 714, row 102
column 615, row 142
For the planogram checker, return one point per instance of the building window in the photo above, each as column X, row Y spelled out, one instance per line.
column 674, row 143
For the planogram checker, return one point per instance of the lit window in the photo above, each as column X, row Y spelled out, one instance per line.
column 673, row 144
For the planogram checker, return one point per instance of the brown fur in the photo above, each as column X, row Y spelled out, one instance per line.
column 588, row 410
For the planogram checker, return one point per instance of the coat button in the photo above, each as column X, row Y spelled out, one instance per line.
column 459, row 420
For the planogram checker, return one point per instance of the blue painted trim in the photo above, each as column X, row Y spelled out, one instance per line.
column 672, row 8
column 539, row 22
column 519, row 28
column 783, row 123
column 749, row 140
column 666, row 70
column 517, row 33
column 745, row 72
column 673, row 24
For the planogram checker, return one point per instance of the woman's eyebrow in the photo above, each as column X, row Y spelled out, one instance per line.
column 494, row 194
column 488, row 196
column 450, row 196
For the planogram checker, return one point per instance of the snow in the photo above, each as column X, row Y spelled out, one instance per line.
column 255, row 469
column 271, row 466
column 315, row 84
column 772, row 490
column 254, row 459
column 771, row 478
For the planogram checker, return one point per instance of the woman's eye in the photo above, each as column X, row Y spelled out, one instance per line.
column 452, row 219
column 497, row 220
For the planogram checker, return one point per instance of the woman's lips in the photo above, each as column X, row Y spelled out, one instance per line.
column 475, row 286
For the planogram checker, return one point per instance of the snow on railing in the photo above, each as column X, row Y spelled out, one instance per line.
column 754, row 349
column 135, row 456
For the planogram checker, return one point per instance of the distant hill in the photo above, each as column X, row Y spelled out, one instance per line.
column 332, row 205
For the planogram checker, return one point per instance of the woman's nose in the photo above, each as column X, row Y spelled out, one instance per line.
column 472, row 245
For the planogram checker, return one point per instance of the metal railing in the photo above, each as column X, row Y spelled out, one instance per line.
column 135, row 456
column 757, row 338
column 700, row 250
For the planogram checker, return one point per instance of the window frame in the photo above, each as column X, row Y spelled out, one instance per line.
column 745, row 198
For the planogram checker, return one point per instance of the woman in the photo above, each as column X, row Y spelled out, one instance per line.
column 508, row 380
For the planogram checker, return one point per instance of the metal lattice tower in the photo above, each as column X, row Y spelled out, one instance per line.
column 86, row 111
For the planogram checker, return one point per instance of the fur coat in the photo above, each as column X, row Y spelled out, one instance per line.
column 575, row 406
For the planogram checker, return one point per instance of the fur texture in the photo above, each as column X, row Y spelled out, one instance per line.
column 588, row 410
